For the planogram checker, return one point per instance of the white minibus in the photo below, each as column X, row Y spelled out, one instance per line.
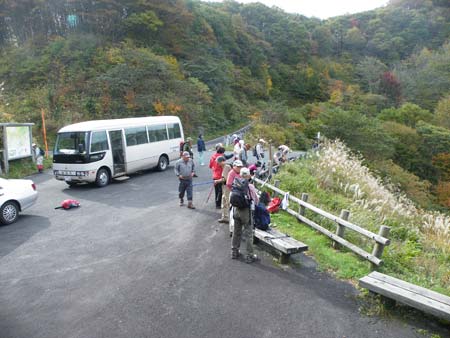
column 97, row 151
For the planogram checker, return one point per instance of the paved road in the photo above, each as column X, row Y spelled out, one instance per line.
column 132, row 263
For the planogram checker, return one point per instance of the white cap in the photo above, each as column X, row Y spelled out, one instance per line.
column 237, row 163
column 241, row 142
column 262, row 140
column 245, row 172
column 33, row 145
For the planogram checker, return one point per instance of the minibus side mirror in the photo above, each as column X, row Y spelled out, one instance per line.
column 81, row 148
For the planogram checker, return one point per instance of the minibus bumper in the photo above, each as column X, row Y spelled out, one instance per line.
column 75, row 175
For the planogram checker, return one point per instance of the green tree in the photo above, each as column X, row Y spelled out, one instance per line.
column 359, row 132
column 408, row 114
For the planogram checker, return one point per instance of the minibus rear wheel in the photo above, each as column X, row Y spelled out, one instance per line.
column 163, row 163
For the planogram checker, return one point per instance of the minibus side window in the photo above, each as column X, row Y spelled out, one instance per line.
column 136, row 136
column 99, row 141
column 174, row 130
column 157, row 133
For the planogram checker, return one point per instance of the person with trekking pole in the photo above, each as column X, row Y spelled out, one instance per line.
column 226, row 168
column 185, row 171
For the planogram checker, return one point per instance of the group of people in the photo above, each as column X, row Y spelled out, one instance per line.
column 235, row 195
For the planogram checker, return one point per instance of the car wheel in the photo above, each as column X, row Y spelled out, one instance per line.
column 163, row 163
column 9, row 212
column 103, row 178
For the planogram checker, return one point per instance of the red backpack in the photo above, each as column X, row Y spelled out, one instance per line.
column 274, row 205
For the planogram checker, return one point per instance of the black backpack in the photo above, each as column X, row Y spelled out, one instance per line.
column 255, row 153
column 41, row 152
column 239, row 196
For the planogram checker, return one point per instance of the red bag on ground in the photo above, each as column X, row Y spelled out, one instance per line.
column 274, row 205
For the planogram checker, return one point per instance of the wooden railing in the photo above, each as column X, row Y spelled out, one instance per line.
column 342, row 223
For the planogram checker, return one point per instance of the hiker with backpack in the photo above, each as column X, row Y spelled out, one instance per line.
column 187, row 146
column 243, row 198
column 38, row 154
column 185, row 171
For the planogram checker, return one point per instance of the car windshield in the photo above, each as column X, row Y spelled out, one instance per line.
column 71, row 143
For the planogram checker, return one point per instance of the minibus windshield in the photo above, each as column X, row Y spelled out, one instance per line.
column 71, row 143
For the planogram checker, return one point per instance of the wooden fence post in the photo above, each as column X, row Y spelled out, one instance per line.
column 276, row 183
column 340, row 229
column 302, row 209
column 378, row 247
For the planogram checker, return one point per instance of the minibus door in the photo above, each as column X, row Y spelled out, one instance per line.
column 118, row 151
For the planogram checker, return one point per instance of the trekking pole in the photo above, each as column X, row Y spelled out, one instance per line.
column 210, row 193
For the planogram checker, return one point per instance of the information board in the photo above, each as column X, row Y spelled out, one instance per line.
column 18, row 142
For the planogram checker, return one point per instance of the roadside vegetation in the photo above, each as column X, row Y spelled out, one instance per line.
column 335, row 179
column 25, row 167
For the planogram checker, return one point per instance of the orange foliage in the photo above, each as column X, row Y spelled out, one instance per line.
column 256, row 116
column 296, row 125
column 129, row 99
column 442, row 162
column 443, row 193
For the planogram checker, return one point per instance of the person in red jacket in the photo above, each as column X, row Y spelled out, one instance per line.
column 217, row 175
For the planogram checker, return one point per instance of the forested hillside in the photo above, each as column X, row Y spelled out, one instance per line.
column 378, row 80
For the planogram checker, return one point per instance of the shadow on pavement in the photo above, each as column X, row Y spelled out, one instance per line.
column 14, row 235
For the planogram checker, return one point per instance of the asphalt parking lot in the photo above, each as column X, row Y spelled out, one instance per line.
column 132, row 263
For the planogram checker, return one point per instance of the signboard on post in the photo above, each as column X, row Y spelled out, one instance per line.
column 15, row 143
column 19, row 142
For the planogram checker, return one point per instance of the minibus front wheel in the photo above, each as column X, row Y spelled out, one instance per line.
column 103, row 177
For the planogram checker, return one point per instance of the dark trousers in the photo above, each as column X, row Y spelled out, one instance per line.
column 185, row 186
column 218, row 191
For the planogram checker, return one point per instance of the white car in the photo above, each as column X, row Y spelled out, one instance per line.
column 15, row 196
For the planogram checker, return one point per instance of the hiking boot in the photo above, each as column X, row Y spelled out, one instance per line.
column 251, row 259
column 181, row 202
column 190, row 205
column 223, row 220
column 234, row 254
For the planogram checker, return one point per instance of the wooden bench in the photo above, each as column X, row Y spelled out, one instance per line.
column 407, row 293
column 283, row 243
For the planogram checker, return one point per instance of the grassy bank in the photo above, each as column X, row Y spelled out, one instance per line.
column 420, row 240
column 25, row 167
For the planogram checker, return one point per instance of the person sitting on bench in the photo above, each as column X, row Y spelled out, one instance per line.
column 261, row 216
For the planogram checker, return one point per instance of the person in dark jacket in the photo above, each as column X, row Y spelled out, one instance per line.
column 201, row 148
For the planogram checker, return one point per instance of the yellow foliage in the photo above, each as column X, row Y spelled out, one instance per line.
column 309, row 72
column 159, row 108
column 269, row 85
column 336, row 97
column 173, row 62
column 114, row 56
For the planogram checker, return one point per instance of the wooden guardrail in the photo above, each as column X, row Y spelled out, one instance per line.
column 342, row 223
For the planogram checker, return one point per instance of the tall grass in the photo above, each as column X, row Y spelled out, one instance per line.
column 335, row 179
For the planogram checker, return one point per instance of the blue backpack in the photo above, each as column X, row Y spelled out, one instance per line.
column 261, row 217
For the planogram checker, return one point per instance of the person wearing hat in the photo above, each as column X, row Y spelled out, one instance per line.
column 188, row 147
column 39, row 156
column 226, row 168
column 185, row 171
column 237, row 166
column 243, row 226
